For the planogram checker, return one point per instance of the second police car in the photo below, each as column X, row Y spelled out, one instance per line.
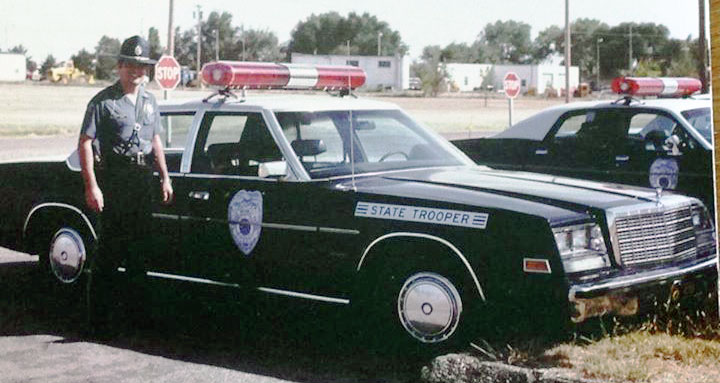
column 350, row 202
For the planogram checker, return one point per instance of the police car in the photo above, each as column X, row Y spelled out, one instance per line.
column 351, row 203
column 663, row 143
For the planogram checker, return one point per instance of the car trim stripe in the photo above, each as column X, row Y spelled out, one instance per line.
column 330, row 230
column 431, row 237
column 304, row 296
column 189, row 279
column 64, row 206
column 268, row 290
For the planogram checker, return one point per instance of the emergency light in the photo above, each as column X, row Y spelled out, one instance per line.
column 260, row 75
column 656, row 86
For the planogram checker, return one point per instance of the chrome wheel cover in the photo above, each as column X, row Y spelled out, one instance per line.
column 67, row 255
column 429, row 307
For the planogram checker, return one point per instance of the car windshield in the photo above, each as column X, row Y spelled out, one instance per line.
column 701, row 120
column 382, row 140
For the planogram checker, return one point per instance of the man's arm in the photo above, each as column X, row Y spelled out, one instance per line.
column 161, row 165
column 93, row 194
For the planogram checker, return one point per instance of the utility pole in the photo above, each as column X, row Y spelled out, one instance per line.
column 630, row 56
column 380, row 34
column 198, row 13
column 597, row 79
column 567, row 51
column 702, row 54
column 217, row 45
column 171, row 31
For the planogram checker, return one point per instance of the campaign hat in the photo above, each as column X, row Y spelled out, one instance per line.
column 136, row 50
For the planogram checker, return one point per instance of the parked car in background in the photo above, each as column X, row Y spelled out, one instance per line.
column 663, row 143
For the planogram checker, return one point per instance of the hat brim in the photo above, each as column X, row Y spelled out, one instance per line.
column 137, row 60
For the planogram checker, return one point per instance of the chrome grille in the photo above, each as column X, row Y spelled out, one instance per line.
column 656, row 236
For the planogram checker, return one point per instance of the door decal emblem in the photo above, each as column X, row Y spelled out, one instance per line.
column 664, row 173
column 245, row 219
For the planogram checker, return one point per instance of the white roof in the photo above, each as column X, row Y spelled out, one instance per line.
column 290, row 103
column 537, row 126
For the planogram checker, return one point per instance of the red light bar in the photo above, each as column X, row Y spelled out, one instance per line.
column 656, row 86
column 254, row 75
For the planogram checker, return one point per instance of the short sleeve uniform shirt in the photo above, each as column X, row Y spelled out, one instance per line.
column 111, row 117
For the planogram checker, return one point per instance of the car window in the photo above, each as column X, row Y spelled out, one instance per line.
column 643, row 123
column 701, row 120
column 572, row 124
column 175, row 128
column 233, row 144
column 380, row 140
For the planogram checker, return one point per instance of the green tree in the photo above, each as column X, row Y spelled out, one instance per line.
column 649, row 41
column 106, row 53
column 548, row 42
column 329, row 33
column 260, row 45
column 47, row 64
column 505, row 42
column 156, row 49
column 431, row 70
column 83, row 60
column 460, row 53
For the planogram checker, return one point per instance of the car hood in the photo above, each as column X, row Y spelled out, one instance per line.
column 531, row 193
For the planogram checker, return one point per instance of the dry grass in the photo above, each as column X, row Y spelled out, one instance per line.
column 45, row 109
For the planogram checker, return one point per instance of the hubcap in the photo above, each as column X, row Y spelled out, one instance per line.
column 429, row 307
column 67, row 255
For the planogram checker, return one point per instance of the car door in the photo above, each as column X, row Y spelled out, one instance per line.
column 239, row 228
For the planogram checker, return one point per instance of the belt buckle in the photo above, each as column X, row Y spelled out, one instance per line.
column 140, row 158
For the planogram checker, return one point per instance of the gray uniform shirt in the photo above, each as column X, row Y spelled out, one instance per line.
column 110, row 119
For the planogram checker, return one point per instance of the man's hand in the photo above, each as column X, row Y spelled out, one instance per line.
column 94, row 199
column 167, row 191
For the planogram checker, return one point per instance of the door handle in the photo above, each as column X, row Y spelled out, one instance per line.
column 541, row 152
column 622, row 158
column 199, row 195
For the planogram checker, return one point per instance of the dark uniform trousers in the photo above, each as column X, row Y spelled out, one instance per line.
column 125, row 241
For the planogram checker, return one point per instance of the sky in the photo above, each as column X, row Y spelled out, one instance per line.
column 62, row 28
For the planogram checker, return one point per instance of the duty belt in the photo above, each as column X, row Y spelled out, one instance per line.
column 139, row 159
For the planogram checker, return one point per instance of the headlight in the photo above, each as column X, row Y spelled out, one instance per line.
column 704, row 231
column 581, row 247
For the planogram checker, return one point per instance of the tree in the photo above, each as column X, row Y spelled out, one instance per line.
column 106, row 53
column 47, row 64
column 505, row 42
column 83, row 60
column 649, row 41
column 329, row 33
column 260, row 45
column 460, row 53
column 431, row 70
column 548, row 42
column 156, row 49
column 18, row 49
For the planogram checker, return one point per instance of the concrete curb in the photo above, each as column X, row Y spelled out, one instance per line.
column 464, row 368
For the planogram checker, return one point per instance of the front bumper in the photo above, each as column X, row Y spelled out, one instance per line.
column 630, row 294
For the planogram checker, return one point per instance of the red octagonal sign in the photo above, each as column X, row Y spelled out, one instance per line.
column 511, row 84
column 167, row 72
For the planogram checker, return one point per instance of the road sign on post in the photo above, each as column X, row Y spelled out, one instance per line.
column 167, row 72
column 511, row 85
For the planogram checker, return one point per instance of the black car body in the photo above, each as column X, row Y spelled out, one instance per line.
column 660, row 143
column 268, row 200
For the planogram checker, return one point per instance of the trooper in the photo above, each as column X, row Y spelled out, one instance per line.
column 119, row 147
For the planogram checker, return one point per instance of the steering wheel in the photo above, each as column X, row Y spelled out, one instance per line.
column 390, row 154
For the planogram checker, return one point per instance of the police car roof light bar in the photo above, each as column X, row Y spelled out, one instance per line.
column 260, row 75
column 656, row 86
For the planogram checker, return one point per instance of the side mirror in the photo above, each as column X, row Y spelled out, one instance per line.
column 308, row 147
column 272, row 169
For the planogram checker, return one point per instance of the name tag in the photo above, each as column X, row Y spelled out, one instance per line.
column 422, row 214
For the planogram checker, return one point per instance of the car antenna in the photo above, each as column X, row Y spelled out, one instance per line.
column 352, row 130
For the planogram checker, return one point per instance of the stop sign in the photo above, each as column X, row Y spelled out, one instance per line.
column 511, row 84
column 167, row 72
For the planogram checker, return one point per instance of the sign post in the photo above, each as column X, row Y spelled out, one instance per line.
column 511, row 85
column 167, row 75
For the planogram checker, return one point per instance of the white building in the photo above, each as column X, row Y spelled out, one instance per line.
column 383, row 72
column 534, row 78
column 466, row 77
column 12, row 67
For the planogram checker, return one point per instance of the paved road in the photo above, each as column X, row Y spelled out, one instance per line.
column 42, row 340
